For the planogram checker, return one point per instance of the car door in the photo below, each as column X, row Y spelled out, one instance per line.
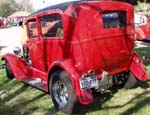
column 33, row 42
column 51, row 38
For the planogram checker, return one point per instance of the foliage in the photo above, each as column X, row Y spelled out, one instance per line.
column 142, row 6
column 8, row 7
column 5, row 8
column 25, row 5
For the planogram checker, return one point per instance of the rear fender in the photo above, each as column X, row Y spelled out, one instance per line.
column 19, row 68
column 138, row 69
column 84, row 96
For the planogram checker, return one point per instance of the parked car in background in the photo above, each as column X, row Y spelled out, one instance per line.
column 3, row 23
column 17, row 18
column 78, row 48
column 142, row 27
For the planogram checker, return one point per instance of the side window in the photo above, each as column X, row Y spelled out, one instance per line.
column 114, row 19
column 51, row 26
column 33, row 32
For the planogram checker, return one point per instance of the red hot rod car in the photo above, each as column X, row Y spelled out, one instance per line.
column 76, row 48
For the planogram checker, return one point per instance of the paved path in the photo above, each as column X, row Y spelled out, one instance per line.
column 9, row 38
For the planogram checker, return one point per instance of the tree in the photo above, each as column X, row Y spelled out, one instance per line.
column 8, row 7
column 25, row 5
column 5, row 8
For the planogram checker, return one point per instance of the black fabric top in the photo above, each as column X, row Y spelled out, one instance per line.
column 61, row 6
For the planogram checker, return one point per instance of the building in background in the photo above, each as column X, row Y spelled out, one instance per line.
column 17, row 17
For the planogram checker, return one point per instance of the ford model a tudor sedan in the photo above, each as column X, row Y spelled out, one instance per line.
column 77, row 48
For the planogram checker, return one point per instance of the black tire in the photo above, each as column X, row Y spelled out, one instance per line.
column 131, row 81
column 9, row 73
column 62, row 92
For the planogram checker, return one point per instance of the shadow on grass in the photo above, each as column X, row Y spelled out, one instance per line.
column 5, row 82
column 141, row 103
column 138, row 106
column 27, row 102
column 99, row 100
column 131, row 110
column 17, row 92
column 16, row 109
column 130, row 101
column 51, row 111
column 102, row 98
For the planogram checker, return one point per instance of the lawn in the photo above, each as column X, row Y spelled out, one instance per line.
column 21, row 99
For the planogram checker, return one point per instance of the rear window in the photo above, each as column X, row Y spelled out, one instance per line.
column 114, row 19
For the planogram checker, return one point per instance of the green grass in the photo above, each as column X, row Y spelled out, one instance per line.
column 21, row 99
column 144, row 51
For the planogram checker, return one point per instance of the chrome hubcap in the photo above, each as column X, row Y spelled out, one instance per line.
column 60, row 93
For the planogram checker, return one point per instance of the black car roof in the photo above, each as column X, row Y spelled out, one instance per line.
column 61, row 6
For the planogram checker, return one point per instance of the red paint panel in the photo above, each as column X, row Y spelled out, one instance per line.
column 138, row 69
column 19, row 68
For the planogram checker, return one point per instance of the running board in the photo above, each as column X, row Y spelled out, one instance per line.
column 36, row 82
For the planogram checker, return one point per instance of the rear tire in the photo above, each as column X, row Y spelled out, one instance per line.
column 63, row 95
column 9, row 73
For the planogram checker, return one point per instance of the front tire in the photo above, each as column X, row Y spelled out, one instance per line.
column 9, row 73
column 63, row 95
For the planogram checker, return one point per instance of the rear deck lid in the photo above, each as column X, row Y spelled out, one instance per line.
column 105, row 33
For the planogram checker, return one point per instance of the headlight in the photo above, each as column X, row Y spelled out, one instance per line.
column 17, row 51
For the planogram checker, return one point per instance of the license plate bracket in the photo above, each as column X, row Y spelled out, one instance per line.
column 88, row 82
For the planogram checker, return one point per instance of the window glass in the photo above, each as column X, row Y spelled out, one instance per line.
column 51, row 26
column 114, row 19
column 33, row 32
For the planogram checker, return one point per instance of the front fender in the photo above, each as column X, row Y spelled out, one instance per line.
column 84, row 96
column 18, row 67
column 138, row 69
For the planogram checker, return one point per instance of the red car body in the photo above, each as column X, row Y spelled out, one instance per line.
column 96, row 38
